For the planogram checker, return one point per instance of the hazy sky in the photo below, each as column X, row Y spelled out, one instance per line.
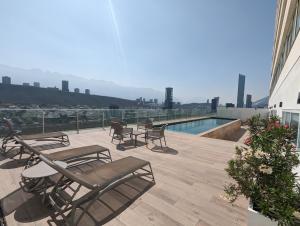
column 198, row 47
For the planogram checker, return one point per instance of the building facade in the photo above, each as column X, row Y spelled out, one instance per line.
column 241, row 91
column 76, row 90
column 249, row 101
column 284, row 98
column 87, row 91
column 169, row 98
column 65, row 86
column 36, row 84
column 6, row 80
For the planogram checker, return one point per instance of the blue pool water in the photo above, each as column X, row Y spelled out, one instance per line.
column 198, row 126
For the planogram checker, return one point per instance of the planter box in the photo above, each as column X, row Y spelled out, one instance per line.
column 257, row 219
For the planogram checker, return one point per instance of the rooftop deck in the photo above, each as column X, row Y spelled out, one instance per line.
column 189, row 176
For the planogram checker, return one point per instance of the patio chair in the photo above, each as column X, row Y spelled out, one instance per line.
column 77, row 196
column 121, row 132
column 113, row 121
column 145, row 125
column 157, row 133
column 9, row 142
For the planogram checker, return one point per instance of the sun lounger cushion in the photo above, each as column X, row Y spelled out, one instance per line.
column 76, row 152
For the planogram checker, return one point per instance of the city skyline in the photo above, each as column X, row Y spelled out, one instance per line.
column 162, row 49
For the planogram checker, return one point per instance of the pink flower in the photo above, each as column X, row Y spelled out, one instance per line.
column 286, row 126
column 248, row 141
column 277, row 124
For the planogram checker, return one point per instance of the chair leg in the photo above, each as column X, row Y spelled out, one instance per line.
column 160, row 143
column 165, row 141
column 110, row 131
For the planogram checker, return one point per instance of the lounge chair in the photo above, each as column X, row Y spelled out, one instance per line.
column 156, row 134
column 9, row 142
column 121, row 132
column 113, row 121
column 73, row 157
column 97, row 183
column 76, row 195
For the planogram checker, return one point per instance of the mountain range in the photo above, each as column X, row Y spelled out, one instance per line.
column 98, row 87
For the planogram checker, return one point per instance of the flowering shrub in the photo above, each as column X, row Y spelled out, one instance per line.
column 262, row 170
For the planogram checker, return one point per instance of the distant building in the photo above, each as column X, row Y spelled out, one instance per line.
column 249, row 101
column 26, row 84
column 53, row 88
column 207, row 101
column 241, row 90
column 6, row 80
column 36, row 84
column 169, row 98
column 156, row 101
column 214, row 104
column 87, row 91
column 76, row 90
column 65, row 86
column 229, row 105
column 151, row 100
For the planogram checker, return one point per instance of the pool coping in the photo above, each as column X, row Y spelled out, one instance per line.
column 218, row 132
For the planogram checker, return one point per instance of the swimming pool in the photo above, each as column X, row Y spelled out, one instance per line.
column 198, row 126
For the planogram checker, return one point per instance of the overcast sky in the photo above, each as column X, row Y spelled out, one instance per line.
column 198, row 47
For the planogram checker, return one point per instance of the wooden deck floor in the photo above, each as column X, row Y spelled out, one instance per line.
column 189, row 177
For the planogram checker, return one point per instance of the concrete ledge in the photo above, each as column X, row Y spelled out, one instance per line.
column 225, row 131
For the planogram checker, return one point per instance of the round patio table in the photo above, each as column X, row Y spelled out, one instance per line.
column 37, row 177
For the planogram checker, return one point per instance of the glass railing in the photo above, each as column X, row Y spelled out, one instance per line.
column 31, row 121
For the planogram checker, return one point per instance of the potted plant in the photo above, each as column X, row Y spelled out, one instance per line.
column 262, row 171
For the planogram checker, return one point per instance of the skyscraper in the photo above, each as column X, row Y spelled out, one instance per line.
column 241, row 90
column 249, row 101
column 6, row 80
column 169, row 98
column 65, row 86
column 214, row 104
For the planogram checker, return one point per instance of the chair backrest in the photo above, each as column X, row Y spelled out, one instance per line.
column 162, row 129
column 118, row 128
column 114, row 119
column 67, row 173
column 9, row 124
column 147, row 124
column 27, row 146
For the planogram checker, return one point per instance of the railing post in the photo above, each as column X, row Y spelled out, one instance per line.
column 77, row 122
column 43, row 122
column 103, row 117
column 122, row 115
column 137, row 116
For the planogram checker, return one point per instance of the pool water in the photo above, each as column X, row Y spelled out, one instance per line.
column 199, row 126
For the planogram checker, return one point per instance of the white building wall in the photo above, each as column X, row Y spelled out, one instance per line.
column 241, row 113
column 288, row 84
column 287, row 88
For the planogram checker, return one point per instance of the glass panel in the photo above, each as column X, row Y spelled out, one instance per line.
column 295, row 124
column 287, row 118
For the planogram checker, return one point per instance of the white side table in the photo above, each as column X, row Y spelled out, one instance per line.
column 36, row 178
